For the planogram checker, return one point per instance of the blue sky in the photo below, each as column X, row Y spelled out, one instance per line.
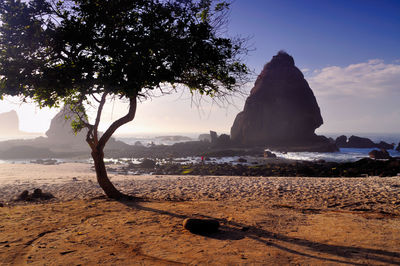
column 319, row 33
column 349, row 52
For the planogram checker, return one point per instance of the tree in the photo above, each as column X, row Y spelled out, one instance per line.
column 79, row 51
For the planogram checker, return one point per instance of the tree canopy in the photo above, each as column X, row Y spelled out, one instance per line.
column 74, row 51
column 51, row 50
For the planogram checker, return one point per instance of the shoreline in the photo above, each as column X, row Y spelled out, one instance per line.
column 74, row 181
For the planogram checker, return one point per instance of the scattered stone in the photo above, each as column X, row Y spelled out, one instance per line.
column 201, row 225
column 37, row 194
column 24, row 195
column 382, row 154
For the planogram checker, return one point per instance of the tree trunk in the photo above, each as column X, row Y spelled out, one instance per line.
column 97, row 147
column 102, row 177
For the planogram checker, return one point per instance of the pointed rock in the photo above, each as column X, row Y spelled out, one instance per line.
column 281, row 108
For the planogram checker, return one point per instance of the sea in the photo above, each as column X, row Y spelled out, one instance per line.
column 343, row 155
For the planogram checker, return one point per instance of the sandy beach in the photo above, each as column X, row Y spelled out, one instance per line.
column 264, row 220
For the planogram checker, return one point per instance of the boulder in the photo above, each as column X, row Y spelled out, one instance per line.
column 268, row 154
column 379, row 154
column 398, row 147
column 39, row 194
column 201, row 226
column 147, row 163
column 281, row 109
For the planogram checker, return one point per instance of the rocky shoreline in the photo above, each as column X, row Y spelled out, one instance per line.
column 274, row 167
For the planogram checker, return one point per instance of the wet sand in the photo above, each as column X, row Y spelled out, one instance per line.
column 265, row 220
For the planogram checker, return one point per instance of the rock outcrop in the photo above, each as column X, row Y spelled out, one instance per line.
column 281, row 110
column 205, row 137
column 61, row 135
column 9, row 124
column 60, row 128
column 359, row 142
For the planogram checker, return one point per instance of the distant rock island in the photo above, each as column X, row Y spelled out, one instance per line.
column 281, row 111
column 360, row 142
column 9, row 124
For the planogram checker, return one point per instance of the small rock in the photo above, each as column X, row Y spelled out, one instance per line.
column 148, row 163
column 1, row 204
column 24, row 195
column 37, row 194
column 382, row 154
column 242, row 160
column 201, row 225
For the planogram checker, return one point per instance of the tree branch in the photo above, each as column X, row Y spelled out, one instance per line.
column 123, row 120
column 99, row 111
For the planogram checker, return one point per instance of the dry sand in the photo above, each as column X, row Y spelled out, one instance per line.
column 276, row 220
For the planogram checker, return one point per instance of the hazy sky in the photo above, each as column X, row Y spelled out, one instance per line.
column 348, row 51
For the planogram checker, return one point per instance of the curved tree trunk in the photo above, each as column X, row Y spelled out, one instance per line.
column 97, row 147
column 102, row 177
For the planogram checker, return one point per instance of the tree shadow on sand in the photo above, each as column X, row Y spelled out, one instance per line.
column 235, row 231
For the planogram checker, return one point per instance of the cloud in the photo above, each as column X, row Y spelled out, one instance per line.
column 371, row 79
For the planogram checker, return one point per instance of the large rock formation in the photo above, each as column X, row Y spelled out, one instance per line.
column 281, row 110
column 60, row 128
column 9, row 124
column 61, row 135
